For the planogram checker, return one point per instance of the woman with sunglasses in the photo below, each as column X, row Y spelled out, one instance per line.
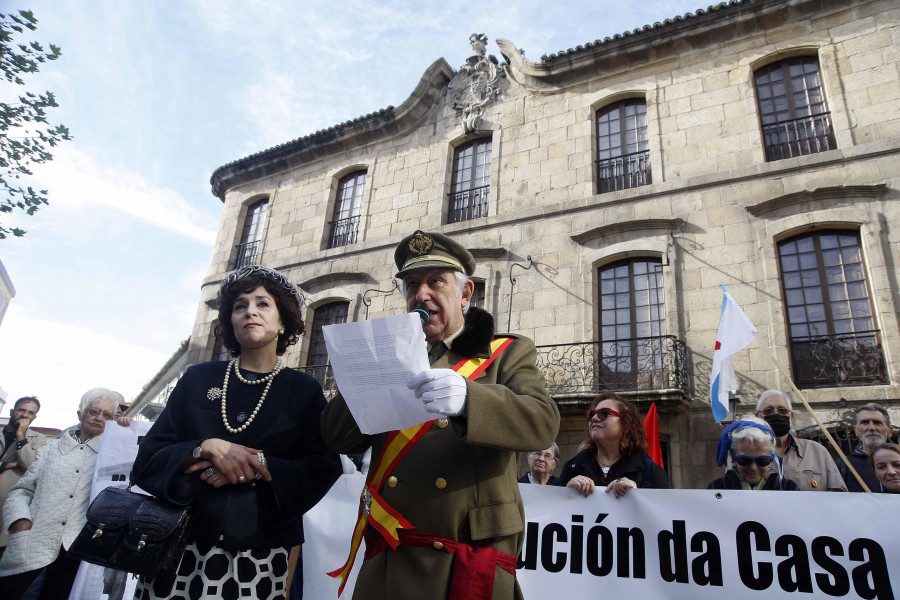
column 748, row 447
column 614, row 454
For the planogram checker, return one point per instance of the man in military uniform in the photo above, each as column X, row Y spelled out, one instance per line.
column 456, row 485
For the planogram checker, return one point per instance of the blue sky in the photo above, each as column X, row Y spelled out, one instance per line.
column 158, row 95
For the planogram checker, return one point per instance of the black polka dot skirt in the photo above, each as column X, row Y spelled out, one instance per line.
column 211, row 573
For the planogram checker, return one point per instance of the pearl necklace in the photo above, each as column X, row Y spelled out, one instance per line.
column 268, row 379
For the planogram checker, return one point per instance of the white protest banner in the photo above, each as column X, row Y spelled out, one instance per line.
column 672, row 544
column 118, row 449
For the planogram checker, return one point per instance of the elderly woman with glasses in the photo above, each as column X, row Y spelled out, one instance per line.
column 748, row 447
column 540, row 466
column 47, row 508
column 615, row 453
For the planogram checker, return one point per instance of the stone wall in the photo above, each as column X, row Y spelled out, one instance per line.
column 713, row 214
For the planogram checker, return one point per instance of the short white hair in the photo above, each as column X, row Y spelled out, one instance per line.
column 95, row 394
column 770, row 393
column 764, row 440
column 461, row 280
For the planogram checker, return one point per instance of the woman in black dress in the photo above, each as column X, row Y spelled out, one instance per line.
column 240, row 443
column 615, row 453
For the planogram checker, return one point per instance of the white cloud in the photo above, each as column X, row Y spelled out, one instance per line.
column 77, row 182
column 58, row 362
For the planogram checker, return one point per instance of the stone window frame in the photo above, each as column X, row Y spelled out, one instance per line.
column 312, row 336
column 241, row 229
column 653, row 131
column 331, row 201
column 781, row 61
column 492, row 199
column 818, row 230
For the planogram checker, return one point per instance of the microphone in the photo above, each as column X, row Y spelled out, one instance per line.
column 423, row 314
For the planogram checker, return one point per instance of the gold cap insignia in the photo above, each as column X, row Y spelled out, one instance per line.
column 421, row 243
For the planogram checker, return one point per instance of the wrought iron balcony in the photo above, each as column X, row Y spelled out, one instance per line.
column 636, row 364
column 468, row 204
column 343, row 232
column 842, row 359
column 325, row 376
column 245, row 254
column 623, row 172
column 798, row 137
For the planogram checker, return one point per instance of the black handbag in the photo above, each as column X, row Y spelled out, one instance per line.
column 134, row 533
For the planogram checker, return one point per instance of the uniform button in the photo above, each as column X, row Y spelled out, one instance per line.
column 815, row 483
column 438, row 546
column 440, row 483
column 392, row 481
column 442, row 423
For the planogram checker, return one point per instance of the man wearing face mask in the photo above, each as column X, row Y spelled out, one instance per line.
column 804, row 461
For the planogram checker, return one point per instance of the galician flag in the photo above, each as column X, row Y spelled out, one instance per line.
column 735, row 332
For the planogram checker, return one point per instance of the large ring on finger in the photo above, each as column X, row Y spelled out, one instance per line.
column 209, row 472
column 261, row 458
column 242, row 479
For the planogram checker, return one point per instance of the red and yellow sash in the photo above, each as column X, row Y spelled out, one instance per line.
column 373, row 510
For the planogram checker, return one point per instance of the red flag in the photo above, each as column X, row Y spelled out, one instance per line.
column 651, row 428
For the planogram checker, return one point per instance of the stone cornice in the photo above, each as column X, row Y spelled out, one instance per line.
column 841, row 192
column 626, row 226
column 382, row 124
column 487, row 252
column 332, row 279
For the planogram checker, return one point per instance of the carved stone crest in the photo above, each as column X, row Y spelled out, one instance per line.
column 476, row 83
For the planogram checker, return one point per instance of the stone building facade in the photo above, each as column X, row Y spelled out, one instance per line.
column 607, row 192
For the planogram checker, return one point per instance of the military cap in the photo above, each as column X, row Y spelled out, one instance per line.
column 423, row 250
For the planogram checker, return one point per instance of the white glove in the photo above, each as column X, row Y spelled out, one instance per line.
column 442, row 390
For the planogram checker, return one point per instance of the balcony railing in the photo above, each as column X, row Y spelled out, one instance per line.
column 468, row 204
column 343, row 232
column 842, row 359
column 325, row 376
column 636, row 364
column 623, row 172
column 798, row 137
column 245, row 254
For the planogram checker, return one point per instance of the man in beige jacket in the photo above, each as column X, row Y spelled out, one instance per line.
column 17, row 450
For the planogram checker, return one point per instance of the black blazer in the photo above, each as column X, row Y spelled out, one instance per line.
column 633, row 466
column 286, row 429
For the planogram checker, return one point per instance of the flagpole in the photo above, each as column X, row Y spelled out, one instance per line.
column 821, row 425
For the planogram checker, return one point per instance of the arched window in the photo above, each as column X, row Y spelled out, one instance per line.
column 633, row 345
column 623, row 154
column 792, row 109
column 347, row 209
column 471, row 182
column 834, row 339
column 327, row 314
column 254, row 224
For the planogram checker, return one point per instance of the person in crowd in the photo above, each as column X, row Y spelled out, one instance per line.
column 885, row 462
column 873, row 429
column 17, row 450
column 47, row 508
column 805, row 462
column 456, row 484
column 540, row 466
column 239, row 442
column 748, row 449
column 615, row 452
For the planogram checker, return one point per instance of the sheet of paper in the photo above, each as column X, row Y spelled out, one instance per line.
column 372, row 361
